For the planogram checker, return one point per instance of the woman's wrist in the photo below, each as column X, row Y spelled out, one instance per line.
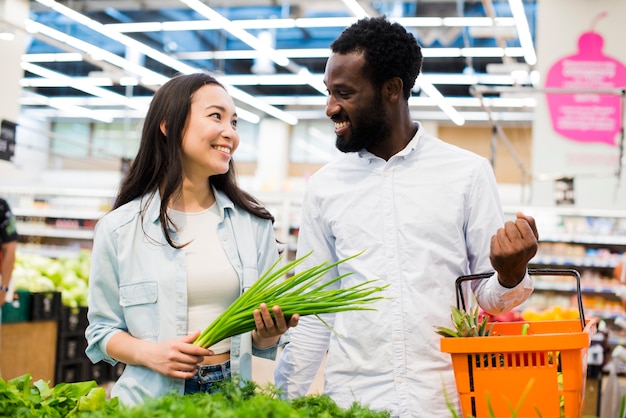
column 263, row 343
column 4, row 288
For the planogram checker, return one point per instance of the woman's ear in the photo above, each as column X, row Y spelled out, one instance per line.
column 163, row 127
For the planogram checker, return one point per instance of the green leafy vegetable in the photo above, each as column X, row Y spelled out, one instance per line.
column 21, row 397
column 466, row 324
column 304, row 293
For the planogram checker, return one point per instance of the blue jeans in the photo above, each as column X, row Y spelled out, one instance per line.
column 206, row 377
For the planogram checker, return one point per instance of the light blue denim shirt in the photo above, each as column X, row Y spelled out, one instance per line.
column 138, row 284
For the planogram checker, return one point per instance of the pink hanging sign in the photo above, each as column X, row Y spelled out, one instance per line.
column 587, row 116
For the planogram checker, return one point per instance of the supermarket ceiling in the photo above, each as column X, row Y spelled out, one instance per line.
column 104, row 59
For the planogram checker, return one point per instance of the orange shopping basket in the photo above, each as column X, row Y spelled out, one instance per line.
column 541, row 374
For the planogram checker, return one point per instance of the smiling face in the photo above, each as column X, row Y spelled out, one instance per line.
column 210, row 136
column 354, row 104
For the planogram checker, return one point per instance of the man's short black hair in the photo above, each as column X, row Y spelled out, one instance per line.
column 389, row 49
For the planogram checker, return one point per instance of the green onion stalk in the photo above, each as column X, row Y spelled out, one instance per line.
column 304, row 293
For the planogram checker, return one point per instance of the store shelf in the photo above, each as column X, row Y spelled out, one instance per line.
column 593, row 242
column 57, row 213
column 286, row 209
column 57, row 221
column 575, row 261
column 26, row 229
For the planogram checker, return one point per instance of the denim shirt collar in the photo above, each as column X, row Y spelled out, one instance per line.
column 151, row 204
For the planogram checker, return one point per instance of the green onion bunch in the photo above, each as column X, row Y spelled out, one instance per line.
column 303, row 293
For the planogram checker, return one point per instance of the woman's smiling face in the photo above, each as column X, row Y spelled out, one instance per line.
column 210, row 136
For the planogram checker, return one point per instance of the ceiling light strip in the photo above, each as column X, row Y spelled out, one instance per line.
column 357, row 10
column 95, row 52
column 33, row 99
column 254, row 42
column 306, row 22
column 236, row 31
column 523, row 31
column 163, row 58
column 82, row 86
column 441, row 101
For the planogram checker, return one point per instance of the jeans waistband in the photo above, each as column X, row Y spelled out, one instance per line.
column 205, row 369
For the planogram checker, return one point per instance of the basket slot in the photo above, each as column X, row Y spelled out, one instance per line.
column 512, row 360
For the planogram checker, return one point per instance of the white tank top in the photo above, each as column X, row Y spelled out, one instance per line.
column 212, row 282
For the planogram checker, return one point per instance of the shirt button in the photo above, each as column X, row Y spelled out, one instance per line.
column 224, row 237
column 386, row 173
column 387, row 212
column 391, row 254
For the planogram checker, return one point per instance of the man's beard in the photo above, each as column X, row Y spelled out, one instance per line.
column 371, row 127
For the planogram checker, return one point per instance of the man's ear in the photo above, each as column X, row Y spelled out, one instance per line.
column 163, row 127
column 392, row 89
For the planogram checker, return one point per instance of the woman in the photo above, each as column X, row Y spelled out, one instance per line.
column 181, row 243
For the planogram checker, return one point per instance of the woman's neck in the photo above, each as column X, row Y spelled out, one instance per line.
column 193, row 197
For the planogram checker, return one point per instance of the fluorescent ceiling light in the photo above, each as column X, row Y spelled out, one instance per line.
column 158, row 56
column 441, row 101
column 325, row 22
column 7, row 36
column 270, row 110
column 79, row 84
column 53, row 57
column 236, row 31
column 33, row 99
column 357, row 10
column 247, row 54
column 63, row 82
column 523, row 30
column 306, row 22
column 95, row 52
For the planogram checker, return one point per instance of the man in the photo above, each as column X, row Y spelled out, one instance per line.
column 8, row 245
column 424, row 211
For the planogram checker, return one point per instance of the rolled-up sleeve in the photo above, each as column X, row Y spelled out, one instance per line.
column 105, row 314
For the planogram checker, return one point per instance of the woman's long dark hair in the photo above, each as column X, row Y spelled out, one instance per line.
column 158, row 165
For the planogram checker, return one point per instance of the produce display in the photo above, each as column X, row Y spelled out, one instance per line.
column 303, row 293
column 23, row 397
column 68, row 275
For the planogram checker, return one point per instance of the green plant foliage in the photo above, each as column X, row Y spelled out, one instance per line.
column 21, row 397
column 466, row 324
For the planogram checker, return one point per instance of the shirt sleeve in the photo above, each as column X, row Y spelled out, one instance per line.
column 105, row 313
column 485, row 216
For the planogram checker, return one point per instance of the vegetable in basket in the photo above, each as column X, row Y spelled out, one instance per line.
column 304, row 293
column 466, row 324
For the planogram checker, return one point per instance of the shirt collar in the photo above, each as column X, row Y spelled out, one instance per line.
column 406, row 151
column 152, row 203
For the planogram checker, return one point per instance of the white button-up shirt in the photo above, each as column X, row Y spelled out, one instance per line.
column 424, row 217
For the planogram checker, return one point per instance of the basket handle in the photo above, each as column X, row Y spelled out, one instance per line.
column 460, row 301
